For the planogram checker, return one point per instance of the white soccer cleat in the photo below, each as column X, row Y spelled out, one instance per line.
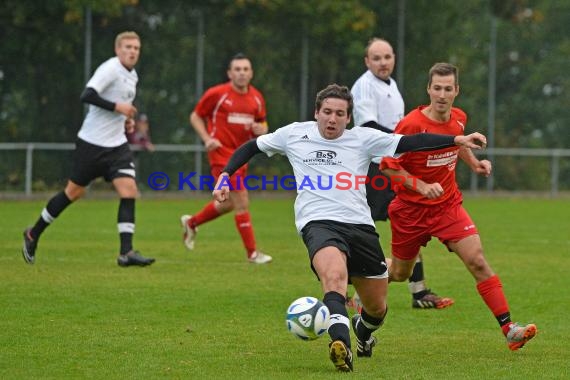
column 189, row 232
column 519, row 335
column 259, row 258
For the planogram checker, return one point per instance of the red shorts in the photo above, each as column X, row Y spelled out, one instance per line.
column 413, row 226
column 236, row 180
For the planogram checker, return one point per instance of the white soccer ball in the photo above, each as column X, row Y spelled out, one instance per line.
column 308, row 318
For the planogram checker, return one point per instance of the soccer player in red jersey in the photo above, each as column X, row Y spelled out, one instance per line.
column 378, row 104
column 429, row 203
column 227, row 116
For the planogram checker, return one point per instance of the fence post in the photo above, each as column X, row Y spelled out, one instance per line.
column 554, row 174
column 29, row 168
column 198, row 162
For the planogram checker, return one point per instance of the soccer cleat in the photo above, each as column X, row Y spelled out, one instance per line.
column 133, row 258
column 340, row 356
column 29, row 247
column 189, row 232
column 363, row 349
column 519, row 335
column 432, row 301
column 258, row 257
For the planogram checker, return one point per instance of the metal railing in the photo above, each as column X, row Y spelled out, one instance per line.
column 554, row 154
column 198, row 151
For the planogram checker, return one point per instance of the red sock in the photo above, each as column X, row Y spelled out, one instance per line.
column 245, row 229
column 491, row 290
column 208, row 213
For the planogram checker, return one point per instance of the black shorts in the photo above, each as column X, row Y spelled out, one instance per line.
column 92, row 161
column 360, row 243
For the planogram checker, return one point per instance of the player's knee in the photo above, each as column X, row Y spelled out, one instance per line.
column 240, row 201
column 377, row 309
column 334, row 280
column 477, row 262
column 126, row 187
column 74, row 192
column 398, row 274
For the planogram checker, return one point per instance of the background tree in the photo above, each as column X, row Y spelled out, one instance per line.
column 42, row 61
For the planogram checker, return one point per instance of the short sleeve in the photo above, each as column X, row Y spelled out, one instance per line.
column 275, row 142
column 207, row 103
column 377, row 143
column 364, row 104
column 103, row 77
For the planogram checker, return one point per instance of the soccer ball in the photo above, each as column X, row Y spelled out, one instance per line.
column 307, row 318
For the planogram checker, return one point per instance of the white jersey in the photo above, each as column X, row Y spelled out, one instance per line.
column 375, row 100
column 326, row 170
column 113, row 82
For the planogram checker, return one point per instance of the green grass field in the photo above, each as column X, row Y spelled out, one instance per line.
column 209, row 314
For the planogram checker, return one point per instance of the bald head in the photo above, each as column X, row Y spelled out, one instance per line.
column 380, row 58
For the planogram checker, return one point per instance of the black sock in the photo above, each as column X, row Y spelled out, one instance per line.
column 339, row 324
column 416, row 281
column 126, row 224
column 54, row 207
column 368, row 325
column 504, row 319
column 418, row 272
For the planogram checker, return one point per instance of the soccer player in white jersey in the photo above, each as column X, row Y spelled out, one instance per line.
column 331, row 213
column 378, row 104
column 102, row 149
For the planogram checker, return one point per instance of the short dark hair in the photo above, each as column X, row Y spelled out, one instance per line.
column 334, row 91
column 443, row 69
column 236, row 57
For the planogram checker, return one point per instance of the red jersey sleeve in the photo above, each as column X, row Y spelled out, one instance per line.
column 208, row 102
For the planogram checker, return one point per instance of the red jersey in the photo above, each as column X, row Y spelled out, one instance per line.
column 429, row 166
column 230, row 114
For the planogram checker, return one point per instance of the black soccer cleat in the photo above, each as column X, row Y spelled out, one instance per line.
column 29, row 247
column 430, row 300
column 134, row 258
column 363, row 348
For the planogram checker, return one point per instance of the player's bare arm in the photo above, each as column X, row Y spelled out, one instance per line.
column 199, row 125
column 481, row 167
